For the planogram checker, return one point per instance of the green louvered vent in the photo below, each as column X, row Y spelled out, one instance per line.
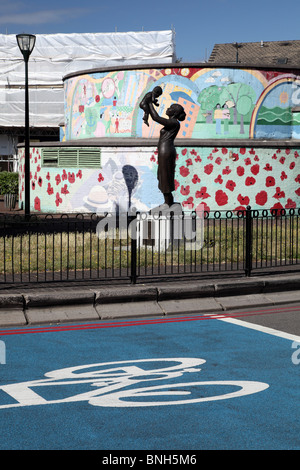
column 50, row 157
column 68, row 158
column 72, row 157
column 89, row 159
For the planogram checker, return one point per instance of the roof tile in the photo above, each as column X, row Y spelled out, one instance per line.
column 257, row 53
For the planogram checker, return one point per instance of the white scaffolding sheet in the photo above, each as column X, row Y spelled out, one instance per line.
column 57, row 55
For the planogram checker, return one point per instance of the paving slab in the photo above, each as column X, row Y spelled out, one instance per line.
column 12, row 317
column 59, row 314
column 190, row 306
column 128, row 310
column 284, row 297
column 244, row 301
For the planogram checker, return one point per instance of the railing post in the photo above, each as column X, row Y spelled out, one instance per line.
column 249, row 241
column 133, row 258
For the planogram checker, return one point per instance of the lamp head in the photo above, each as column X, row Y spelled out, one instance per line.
column 26, row 43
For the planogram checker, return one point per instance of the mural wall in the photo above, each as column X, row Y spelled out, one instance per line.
column 220, row 177
column 220, row 103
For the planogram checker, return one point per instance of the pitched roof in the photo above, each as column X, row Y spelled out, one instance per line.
column 272, row 53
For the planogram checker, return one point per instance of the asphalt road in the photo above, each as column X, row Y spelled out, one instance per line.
column 284, row 318
column 228, row 380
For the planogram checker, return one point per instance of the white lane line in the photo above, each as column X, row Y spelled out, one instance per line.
column 262, row 329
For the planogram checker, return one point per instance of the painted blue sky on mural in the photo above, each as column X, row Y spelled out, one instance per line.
column 198, row 25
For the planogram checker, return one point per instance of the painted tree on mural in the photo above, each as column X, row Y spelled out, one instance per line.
column 208, row 99
column 238, row 96
column 242, row 98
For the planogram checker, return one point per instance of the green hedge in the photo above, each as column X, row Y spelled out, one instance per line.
column 9, row 182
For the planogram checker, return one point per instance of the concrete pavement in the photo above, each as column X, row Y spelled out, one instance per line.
column 72, row 303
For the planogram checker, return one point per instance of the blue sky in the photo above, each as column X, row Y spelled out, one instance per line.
column 198, row 24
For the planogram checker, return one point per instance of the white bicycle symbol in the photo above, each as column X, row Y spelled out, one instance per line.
column 114, row 385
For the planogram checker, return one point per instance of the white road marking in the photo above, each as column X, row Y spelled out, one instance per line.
column 262, row 329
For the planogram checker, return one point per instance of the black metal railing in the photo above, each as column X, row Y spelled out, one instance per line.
column 68, row 247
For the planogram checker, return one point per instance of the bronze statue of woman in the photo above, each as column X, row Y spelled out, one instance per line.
column 166, row 148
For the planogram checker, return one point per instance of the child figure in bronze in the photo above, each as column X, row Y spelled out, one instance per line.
column 150, row 97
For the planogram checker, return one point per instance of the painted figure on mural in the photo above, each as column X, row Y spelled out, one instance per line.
column 218, row 115
column 117, row 125
column 166, row 148
column 150, row 97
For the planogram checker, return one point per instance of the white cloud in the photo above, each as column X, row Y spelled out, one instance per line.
column 210, row 80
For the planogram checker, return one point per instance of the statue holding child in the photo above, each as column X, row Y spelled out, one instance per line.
column 166, row 148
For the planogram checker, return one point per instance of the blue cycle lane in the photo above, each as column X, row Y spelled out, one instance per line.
column 188, row 383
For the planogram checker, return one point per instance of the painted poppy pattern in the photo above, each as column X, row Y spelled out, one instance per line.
column 220, row 178
column 52, row 186
column 232, row 179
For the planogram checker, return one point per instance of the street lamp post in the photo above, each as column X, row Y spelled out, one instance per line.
column 26, row 43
